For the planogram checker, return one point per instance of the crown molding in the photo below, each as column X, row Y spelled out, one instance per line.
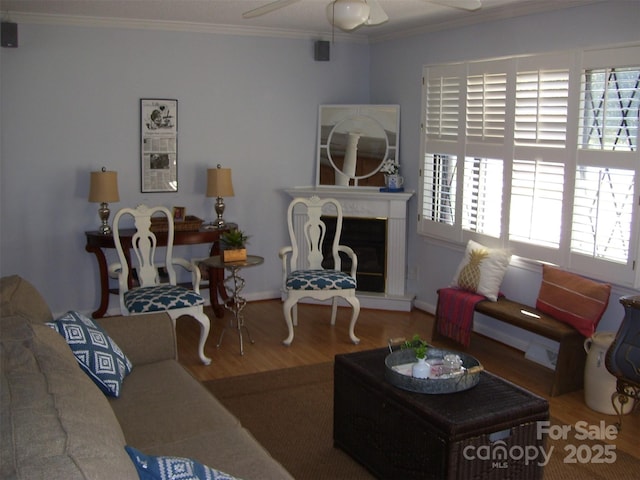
column 363, row 36
column 176, row 26
column 482, row 16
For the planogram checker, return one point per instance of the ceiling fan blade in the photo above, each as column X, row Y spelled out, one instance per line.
column 268, row 8
column 462, row 4
column 376, row 14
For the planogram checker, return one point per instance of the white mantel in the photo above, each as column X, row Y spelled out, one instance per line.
column 366, row 202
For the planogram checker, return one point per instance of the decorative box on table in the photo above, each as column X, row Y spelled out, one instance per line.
column 189, row 224
column 402, row 434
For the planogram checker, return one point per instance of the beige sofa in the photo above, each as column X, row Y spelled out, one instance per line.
column 57, row 424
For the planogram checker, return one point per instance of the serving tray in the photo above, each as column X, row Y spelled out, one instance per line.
column 401, row 377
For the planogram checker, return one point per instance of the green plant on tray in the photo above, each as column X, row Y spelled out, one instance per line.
column 419, row 345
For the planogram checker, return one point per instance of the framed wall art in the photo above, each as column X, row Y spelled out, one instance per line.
column 158, row 145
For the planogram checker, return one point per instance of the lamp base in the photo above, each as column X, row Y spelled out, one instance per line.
column 219, row 222
column 103, row 213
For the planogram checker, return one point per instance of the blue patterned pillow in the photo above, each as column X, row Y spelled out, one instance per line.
column 172, row 468
column 98, row 355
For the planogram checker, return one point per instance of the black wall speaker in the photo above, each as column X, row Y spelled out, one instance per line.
column 321, row 51
column 9, row 35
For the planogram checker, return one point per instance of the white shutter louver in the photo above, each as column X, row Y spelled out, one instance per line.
column 482, row 201
column 443, row 107
column 602, row 213
column 541, row 108
column 439, row 203
column 609, row 110
column 486, row 107
column 536, row 202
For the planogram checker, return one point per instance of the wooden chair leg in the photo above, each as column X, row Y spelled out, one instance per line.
column 205, row 326
column 334, row 310
column 355, row 303
column 287, row 307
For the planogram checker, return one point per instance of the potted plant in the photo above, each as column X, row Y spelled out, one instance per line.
column 234, row 244
column 392, row 178
column 420, row 369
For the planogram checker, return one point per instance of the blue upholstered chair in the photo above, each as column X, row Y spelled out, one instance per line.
column 308, row 272
column 151, row 295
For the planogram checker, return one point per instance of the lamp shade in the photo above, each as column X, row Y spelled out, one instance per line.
column 219, row 182
column 104, row 187
column 348, row 14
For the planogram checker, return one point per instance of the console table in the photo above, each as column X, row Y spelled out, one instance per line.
column 97, row 243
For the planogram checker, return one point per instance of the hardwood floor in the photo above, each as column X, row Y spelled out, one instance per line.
column 316, row 342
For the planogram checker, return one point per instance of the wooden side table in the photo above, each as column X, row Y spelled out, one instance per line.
column 234, row 284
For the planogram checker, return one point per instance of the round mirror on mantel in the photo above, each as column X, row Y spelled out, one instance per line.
column 354, row 141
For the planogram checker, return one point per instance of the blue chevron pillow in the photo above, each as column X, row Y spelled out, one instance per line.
column 172, row 468
column 98, row 355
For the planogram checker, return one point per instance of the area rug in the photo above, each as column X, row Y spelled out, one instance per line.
column 290, row 412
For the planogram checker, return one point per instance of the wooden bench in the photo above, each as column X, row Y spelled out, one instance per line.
column 569, row 372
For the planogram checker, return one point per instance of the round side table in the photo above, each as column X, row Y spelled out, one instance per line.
column 234, row 284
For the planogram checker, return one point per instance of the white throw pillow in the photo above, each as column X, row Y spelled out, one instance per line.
column 482, row 270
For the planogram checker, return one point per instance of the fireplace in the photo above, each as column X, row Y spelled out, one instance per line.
column 391, row 208
column 367, row 237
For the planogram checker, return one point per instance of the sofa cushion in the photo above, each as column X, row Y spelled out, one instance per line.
column 19, row 297
column 162, row 402
column 164, row 411
column 56, row 424
column 146, row 338
column 173, row 468
column 96, row 352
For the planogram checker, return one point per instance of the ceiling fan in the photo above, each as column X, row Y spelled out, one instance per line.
column 350, row 14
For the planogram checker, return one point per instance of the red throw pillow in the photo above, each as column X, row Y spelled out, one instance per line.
column 572, row 299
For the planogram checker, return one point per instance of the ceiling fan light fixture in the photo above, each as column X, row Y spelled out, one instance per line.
column 348, row 14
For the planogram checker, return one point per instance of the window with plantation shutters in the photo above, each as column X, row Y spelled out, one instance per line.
column 605, row 197
column 538, row 154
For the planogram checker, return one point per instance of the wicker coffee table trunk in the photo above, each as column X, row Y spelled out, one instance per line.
column 481, row 433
